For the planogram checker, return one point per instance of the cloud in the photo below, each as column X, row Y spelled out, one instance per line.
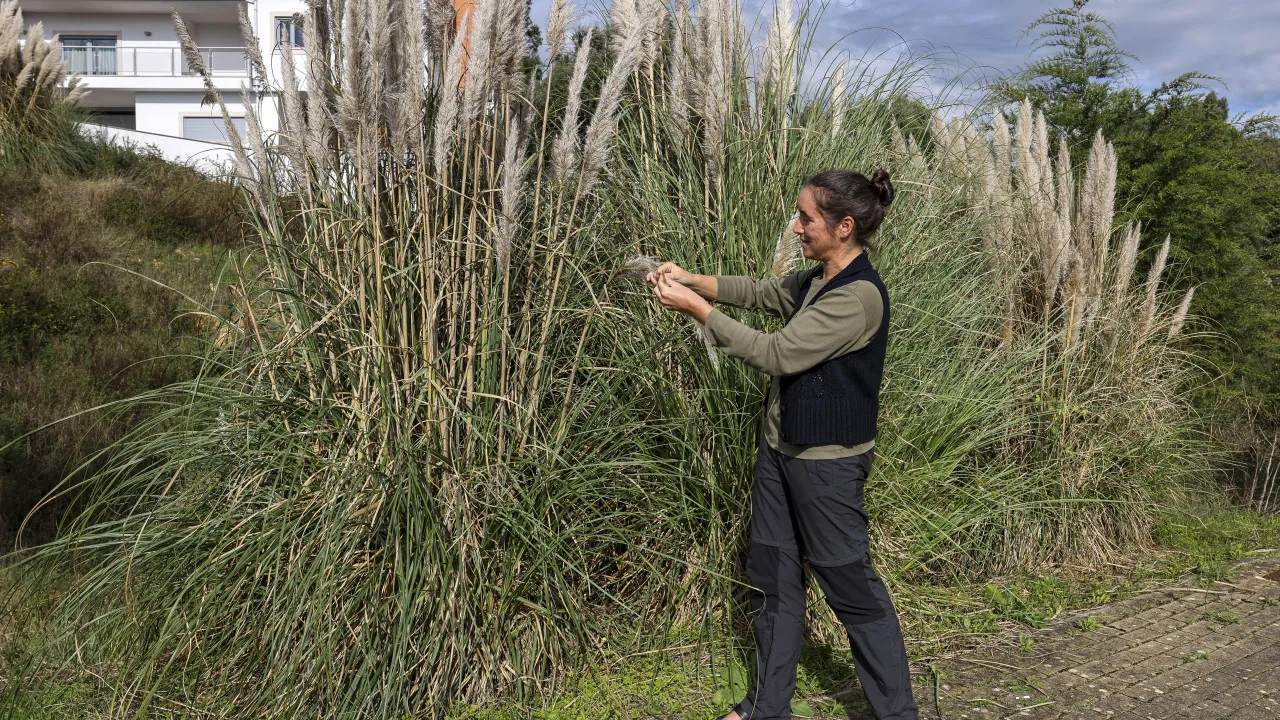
column 1234, row 40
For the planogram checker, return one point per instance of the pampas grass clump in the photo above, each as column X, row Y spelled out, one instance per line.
column 38, row 101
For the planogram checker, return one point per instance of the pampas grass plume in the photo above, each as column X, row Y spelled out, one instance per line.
column 483, row 18
column 779, row 50
column 679, row 72
column 447, row 114
column 639, row 266
column 1125, row 263
column 840, row 103
column 1180, row 315
column 557, row 22
column 513, row 166
column 786, row 252
column 251, row 45
column 1153, row 283
column 624, row 19
column 565, row 151
column 595, row 147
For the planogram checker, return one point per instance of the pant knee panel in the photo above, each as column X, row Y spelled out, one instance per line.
column 850, row 592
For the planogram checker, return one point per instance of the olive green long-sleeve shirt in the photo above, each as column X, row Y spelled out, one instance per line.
column 840, row 322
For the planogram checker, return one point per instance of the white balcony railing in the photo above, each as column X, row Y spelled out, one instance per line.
column 152, row 61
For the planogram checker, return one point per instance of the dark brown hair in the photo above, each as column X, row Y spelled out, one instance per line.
column 844, row 193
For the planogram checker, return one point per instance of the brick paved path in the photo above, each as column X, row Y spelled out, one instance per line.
column 1178, row 653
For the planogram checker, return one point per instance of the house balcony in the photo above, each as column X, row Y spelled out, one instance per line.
column 149, row 61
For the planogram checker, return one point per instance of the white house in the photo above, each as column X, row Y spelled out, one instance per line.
column 140, row 88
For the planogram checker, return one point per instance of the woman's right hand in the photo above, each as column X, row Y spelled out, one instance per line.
column 670, row 272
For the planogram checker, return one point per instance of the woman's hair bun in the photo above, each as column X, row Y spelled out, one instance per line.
column 884, row 188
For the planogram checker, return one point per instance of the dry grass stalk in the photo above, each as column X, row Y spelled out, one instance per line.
column 1074, row 294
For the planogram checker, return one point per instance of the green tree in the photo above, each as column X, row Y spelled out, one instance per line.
column 1187, row 170
column 1213, row 186
column 1080, row 63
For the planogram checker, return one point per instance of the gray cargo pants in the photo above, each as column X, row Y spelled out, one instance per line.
column 813, row 509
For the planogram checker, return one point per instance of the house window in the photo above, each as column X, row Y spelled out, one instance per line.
column 210, row 129
column 89, row 55
column 288, row 32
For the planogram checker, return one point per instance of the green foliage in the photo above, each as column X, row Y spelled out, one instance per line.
column 1208, row 535
column 1188, row 172
column 1071, row 81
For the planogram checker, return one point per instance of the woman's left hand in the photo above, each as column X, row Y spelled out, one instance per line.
column 675, row 296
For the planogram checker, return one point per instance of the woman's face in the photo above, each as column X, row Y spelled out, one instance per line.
column 818, row 240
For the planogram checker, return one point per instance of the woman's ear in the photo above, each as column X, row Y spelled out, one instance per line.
column 846, row 228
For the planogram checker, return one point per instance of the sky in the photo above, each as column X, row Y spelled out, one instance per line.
column 1235, row 40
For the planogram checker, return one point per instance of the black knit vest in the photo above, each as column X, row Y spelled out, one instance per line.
column 836, row 402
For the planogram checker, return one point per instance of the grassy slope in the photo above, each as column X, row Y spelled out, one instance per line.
column 75, row 334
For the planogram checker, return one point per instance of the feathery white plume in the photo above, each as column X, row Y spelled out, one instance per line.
column 513, row 167
column 786, row 252
column 447, row 114
column 840, row 105
column 604, row 122
column 1180, row 315
column 564, row 154
column 557, row 22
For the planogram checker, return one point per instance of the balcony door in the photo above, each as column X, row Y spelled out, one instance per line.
column 90, row 55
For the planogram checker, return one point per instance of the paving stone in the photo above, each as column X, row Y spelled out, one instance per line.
column 1170, row 654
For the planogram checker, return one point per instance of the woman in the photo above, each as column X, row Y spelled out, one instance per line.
column 816, row 439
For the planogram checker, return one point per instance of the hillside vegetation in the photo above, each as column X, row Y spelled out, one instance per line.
column 79, row 327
